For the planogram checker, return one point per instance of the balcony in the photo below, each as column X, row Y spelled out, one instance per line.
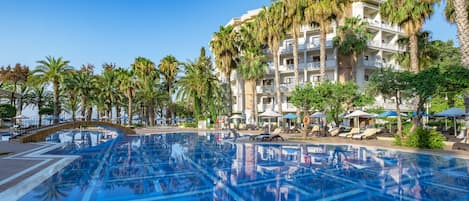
column 316, row 64
column 379, row 64
column 386, row 46
column 286, row 107
column 302, row 66
column 289, row 48
column 265, row 89
column 271, row 88
column 316, row 44
column 382, row 25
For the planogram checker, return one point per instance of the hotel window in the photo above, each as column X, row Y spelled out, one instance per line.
column 288, row 99
column 267, row 100
column 365, row 58
column 315, row 78
column 289, row 61
column 267, row 82
column 288, row 80
column 367, row 77
column 316, row 58
column 234, row 100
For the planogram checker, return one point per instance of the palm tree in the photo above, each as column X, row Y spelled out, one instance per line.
column 108, row 87
column 69, row 88
column 224, row 47
column 457, row 11
column 322, row 12
column 148, row 86
column 38, row 95
column 128, row 84
column 169, row 69
column 271, row 23
column 426, row 53
column 410, row 15
column 351, row 40
column 200, row 87
column 85, row 84
column 51, row 70
column 295, row 18
column 190, row 87
column 253, row 67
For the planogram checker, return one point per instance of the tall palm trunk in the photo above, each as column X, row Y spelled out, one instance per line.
column 414, row 60
column 56, row 101
column 73, row 115
column 399, row 119
column 169, row 112
column 230, row 95
column 254, row 105
column 39, row 107
column 295, row 64
column 83, row 106
column 151, row 115
column 354, row 66
column 89, row 113
column 118, row 114
column 414, row 66
column 277, row 76
column 462, row 22
column 129, row 110
column 322, row 51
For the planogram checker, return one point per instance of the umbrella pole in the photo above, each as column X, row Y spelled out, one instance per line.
column 446, row 123
column 455, row 126
column 269, row 127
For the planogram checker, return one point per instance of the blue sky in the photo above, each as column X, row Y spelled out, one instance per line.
column 91, row 31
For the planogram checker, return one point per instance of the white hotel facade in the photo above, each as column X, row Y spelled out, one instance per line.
column 381, row 47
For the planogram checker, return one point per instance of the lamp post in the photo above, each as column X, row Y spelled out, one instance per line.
column 427, row 107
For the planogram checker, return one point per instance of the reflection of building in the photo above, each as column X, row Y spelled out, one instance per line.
column 381, row 47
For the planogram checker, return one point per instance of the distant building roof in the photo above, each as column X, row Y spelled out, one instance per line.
column 245, row 17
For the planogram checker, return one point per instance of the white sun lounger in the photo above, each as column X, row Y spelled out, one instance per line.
column 368, row 133
column 351, row 133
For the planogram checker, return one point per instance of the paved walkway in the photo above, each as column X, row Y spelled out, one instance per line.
column 26, row 166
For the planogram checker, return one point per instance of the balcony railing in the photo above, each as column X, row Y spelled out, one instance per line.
column 377, row 44
column 289, row 48
column 286, row 107
column 382, row 25
column 316, row 44
column 379, row 63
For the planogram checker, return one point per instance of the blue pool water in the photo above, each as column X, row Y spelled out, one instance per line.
column 200, row 166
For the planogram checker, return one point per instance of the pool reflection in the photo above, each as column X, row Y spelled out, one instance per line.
column 204, row 167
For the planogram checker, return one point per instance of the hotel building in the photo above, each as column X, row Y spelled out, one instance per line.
column 381, row 47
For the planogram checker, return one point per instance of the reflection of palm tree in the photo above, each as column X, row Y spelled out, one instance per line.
column 52, row 189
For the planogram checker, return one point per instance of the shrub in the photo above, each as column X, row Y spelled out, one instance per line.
column 425, row 138
column 189, row 125
column 7, row 111
column 397, row 140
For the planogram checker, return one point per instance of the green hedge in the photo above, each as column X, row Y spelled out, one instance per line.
column 189, row 125
column 422, row 138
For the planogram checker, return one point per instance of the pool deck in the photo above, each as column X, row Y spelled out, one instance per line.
column 24, row 166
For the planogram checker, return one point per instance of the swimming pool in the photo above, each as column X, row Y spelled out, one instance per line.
column 200, row 166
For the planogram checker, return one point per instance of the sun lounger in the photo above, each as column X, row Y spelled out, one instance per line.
column 368, row 133
column 315, row 130
column 253, row 137
column 271, row 137
column 277, row 131
column 351, row 133
column 334, row 132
